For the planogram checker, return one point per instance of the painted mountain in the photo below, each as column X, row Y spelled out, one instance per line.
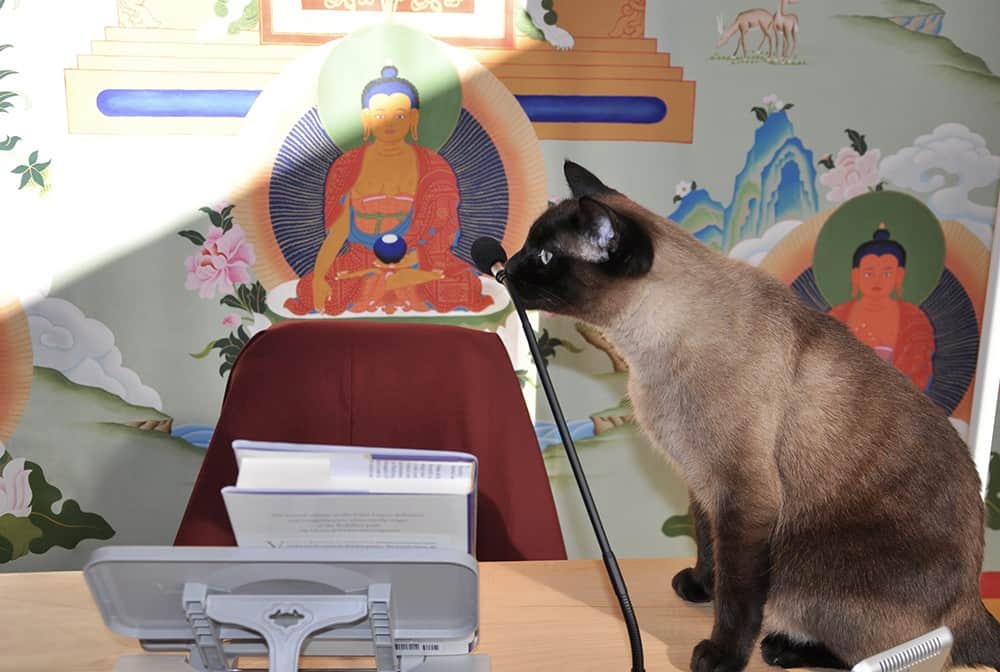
column 778, row 182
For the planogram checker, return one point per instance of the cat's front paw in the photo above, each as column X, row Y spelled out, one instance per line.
column 710, row 656
column 689, row 588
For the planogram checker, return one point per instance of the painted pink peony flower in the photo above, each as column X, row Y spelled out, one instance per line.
column 231, row 320
column 223, row 260
column 852, row 174
column 15, row 492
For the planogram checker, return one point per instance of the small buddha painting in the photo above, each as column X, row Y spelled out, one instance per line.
column 391, row 219
column 879, row 316
column 879, row 264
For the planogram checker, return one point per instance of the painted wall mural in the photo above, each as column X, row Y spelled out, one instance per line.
column 879, row 260
column 335, row 159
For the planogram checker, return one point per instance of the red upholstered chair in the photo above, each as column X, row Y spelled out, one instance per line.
column 388, row 385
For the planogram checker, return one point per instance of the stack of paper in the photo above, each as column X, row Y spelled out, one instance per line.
column 289, row 495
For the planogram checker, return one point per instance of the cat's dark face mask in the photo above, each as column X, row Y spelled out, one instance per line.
column 578, row 250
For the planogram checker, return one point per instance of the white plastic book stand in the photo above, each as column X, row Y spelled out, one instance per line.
column 411, row 611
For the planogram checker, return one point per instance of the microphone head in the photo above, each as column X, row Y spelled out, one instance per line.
column 486, row 252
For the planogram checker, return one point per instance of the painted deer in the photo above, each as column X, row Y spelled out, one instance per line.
column 744, row 22
column 787, row 25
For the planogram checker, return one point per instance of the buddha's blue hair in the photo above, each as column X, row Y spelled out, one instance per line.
column 388, row 84
column 880, row 244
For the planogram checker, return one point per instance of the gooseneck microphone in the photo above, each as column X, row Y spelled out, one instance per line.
column 490, row 257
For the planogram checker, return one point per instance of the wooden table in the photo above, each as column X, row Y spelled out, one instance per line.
column 534, row 616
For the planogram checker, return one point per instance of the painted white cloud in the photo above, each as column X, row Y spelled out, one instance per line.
column 753, row 250
column 950, row 161
column 83, row 349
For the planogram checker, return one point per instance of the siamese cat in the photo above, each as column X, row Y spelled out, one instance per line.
column 837, row 511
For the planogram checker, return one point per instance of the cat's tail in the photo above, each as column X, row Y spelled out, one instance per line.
column 977, row 641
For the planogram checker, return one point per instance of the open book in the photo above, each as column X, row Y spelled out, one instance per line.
column 289, row 495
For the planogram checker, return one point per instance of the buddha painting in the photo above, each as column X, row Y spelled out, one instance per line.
column 391, row 222
column 877, row 315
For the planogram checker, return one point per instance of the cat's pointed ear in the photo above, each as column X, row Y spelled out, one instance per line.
column 602, row 229
column 582, row 182
column 614, row 240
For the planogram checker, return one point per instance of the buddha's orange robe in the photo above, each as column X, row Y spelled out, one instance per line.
column 433, row 231
column 913, row 351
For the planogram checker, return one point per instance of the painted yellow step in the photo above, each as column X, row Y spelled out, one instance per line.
column 195, row 50
column 119, row 34
column 505, row 71
column 278, row 51
column 274, row 66
column 268, row 66
column 114, row 33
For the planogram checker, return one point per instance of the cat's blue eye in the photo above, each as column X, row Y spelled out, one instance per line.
column 544, row 256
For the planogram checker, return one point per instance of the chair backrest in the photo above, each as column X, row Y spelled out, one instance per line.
column 390, row 385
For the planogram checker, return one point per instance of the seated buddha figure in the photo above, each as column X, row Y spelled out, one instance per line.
column 897, row 330
column 391, row 219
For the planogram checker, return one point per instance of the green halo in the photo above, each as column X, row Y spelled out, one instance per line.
column 359, row 58
column 910, row 223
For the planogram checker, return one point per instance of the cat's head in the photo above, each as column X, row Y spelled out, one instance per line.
column 582, row 254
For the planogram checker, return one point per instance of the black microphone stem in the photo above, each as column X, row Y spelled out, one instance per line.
column 610, row 563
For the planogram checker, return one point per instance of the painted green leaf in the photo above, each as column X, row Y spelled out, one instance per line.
column 227, row 218
column 231, row 301
column 24, row 179
column 525, row 26
column 259, row 294
column 4, row 46
column 524, row 378
column 194, row 236
column 4, row 106
column 4, row 459
column 679, row 526
column 993, row 493
column 43, row 165
column 204, row 353
column 220, row 8
column 253, row 297
column 570, row 346
column 760, row 113
column 9, row 143
column 20, row 169
column 37, row 177
column 251, row 15
column 33, row 157
column 16, row 534
column 4, row 95
column 788, row 106
column 213, row 215
column 857, row 141
column 5, row 73
column 1, row 7
column 65, row 529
